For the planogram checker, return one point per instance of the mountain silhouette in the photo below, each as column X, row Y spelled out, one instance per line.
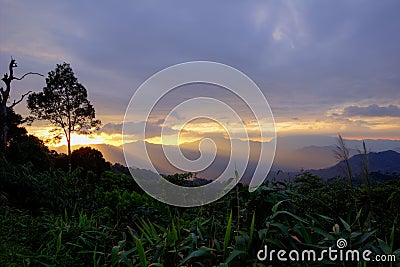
column 386, row 162
column 315, row 158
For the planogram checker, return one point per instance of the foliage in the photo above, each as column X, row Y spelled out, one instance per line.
column 186, row 179
column 79, row 219
column 89, row 159
column 14, row 122
column 64, row 104
column 29, row 150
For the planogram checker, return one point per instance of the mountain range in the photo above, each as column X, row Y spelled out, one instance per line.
column 385, row 162
column 293, row 154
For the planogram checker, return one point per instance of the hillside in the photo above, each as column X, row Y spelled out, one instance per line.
column 111, row 153
column 381, row 162
column 319, row 159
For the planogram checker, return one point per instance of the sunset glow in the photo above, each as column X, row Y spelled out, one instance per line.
column 378, row 128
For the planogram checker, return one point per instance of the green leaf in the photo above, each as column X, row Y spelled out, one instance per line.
column 392, row 195
column 142, row 255
column 251, row 230
column 236, row 174
column 290, row 214
column 364, row 237
column 59, row 242
column 392, row 238
column 124, row 257
column 228, row 233
column 276, row 206
column 282, row 227
column 346, row 225
column 228, row 184
column 354, row 235
column 329, row 219
column 357, row 217
column 323, row 233
column 233, row 255
column 203, row 251
column 304, row 233
column 114, row 255
column 383, row 246
column 217, row 245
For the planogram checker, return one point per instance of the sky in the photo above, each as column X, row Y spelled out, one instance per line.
column 324, row 66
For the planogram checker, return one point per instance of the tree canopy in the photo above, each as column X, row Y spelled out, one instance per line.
column 63, row 102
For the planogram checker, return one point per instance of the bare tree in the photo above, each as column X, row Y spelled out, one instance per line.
column 342, row 153
column 4, row 100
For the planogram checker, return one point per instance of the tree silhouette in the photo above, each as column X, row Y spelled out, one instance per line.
column 64, row 104
column 4, row 98
column 89, row 159
column 29, row 150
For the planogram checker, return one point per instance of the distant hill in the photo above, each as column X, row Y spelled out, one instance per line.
column 111, row 153
column 289, row 158
column 381, row 162
column 309, row 157
column 300, row 141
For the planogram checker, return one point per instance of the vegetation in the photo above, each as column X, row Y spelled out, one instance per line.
column 55, row 218
column 64, row 104
column 7, row 79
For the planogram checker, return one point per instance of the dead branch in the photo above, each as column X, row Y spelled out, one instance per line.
column 23, row 76
column 19, row 101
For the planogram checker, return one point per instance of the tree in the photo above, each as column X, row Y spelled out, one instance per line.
column 90, row 159
column 29, row 150
column 4, row 98
column 64, row 104
column 14, row 128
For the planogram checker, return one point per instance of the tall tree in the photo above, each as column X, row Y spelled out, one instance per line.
column 64, row 104
column 4, row 100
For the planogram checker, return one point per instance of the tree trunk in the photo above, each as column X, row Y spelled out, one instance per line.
column 5, row 94
column 69, row 155
column 4, row 97
column 4, row 127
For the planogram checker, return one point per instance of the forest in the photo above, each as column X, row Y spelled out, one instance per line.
column 77, row 209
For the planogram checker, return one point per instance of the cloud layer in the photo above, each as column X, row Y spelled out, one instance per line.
column 308, row 57
column 372, row 111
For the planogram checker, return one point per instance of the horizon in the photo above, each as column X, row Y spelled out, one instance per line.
column 82, row 140
column 307, row 155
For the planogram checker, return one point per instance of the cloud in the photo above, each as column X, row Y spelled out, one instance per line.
column 111, row 128
column 277, row 34
column 372, row 111
column 306, row 57
column 135, row 128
